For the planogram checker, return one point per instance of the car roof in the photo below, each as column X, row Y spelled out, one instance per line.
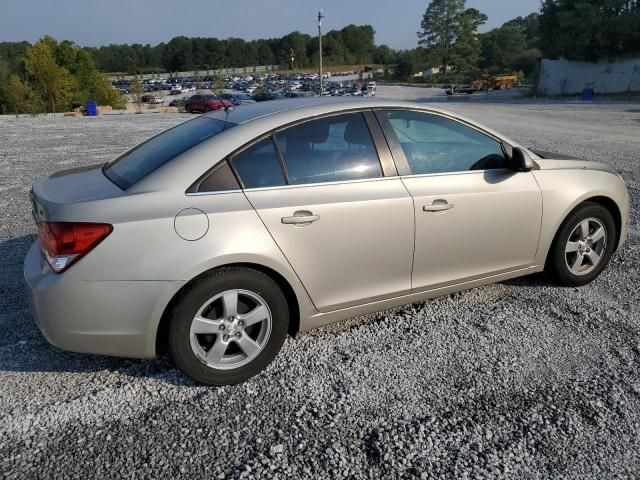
column 281, row 112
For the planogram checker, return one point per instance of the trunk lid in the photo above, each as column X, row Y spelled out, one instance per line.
column 69, row 186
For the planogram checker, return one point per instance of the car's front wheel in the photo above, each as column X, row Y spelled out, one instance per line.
column 229, row 326
column 584, row 244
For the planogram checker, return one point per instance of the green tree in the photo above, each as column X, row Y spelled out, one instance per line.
column 136, row 90
column 529, row 26
column 55, row 84
column 439, row 28
column 501, row 47
column 449, row 31
column 589, row 29
column 384, row 55
column 466, row 52
column 20, row 97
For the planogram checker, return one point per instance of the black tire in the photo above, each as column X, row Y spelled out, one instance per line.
column 187, row 108
column 556, row 261
column 220, row 280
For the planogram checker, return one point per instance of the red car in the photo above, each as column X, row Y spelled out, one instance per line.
column 206, row 103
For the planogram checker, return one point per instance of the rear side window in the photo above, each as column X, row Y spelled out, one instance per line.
column 220, row 180
column 139, row 162
column 258, row 166
column 329, row 149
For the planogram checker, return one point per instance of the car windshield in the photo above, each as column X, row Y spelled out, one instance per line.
column 137, row 163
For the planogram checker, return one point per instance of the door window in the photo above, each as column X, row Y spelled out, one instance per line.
column 332, row 149
column 258, row 166
column 435, row 144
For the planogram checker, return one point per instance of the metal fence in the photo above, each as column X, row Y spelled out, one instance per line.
column 220, row 72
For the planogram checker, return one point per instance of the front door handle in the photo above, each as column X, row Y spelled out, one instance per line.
column 438, row 206
column 301, row 218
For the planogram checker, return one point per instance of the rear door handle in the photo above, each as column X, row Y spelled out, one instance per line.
column 301, row 218
column 440, row 206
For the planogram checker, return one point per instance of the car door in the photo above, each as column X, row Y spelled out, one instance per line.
column 344, row 224
column 474, row 216
column 194, row 102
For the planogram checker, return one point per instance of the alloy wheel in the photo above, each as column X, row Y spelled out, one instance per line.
column 586, row 246
column 230, row 329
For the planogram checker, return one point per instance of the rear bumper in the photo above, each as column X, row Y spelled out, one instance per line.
column 116, row 318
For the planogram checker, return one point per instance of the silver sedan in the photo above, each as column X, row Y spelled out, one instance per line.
column 219, row 237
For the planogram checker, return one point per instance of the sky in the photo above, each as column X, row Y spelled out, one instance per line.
column 100, row 22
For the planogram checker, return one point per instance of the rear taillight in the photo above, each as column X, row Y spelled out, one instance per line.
column 64, row 243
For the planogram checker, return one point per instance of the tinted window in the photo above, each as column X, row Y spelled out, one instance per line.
column 329, row 150
column 258, row 166
column 139, row 162
column 434, row 144
column 221, row 179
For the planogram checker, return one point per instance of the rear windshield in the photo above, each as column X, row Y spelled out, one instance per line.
column 137, row 163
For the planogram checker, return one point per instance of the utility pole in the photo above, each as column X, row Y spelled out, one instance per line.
column 293, row 57
column 320, row 17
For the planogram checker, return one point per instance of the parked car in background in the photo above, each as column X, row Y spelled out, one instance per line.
column 156, row 99
column 222, row 235
column 206, row 103
column 237, row 98
column 179, row 102
column 298, row 94
column 265, row 96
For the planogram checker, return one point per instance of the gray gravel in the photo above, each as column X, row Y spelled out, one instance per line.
column 519, row 379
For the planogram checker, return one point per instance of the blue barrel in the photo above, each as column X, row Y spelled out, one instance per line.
column 587, row 94
column 91, row 109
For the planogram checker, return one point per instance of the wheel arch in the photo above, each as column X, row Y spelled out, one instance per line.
column 602, row 200
column 162, row 330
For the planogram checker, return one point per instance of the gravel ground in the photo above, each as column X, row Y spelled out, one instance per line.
column 519, row 379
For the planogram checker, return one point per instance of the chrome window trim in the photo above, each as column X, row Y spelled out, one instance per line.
column 285, row 187
column 220, row 192
column 462, row 172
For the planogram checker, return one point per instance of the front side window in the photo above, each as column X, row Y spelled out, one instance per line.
column 258, row 166
column 331, row 149
column 434, row 144
column 137, row 163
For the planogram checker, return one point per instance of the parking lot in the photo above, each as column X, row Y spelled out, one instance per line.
column 520, row 379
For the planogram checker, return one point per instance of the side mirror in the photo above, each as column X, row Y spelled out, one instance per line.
column 520, row 160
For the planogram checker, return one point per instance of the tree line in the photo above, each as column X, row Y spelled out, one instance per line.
column 348, row 46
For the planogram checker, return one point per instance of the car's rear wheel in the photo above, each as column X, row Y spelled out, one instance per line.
column 584, row 244
column 229, row 326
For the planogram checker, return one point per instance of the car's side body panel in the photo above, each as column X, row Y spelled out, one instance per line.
column 360, row 249
column 564, row 187
column 492, row 225
column 321, row 319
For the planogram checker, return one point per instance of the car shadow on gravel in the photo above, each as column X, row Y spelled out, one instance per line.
column 24, row 349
